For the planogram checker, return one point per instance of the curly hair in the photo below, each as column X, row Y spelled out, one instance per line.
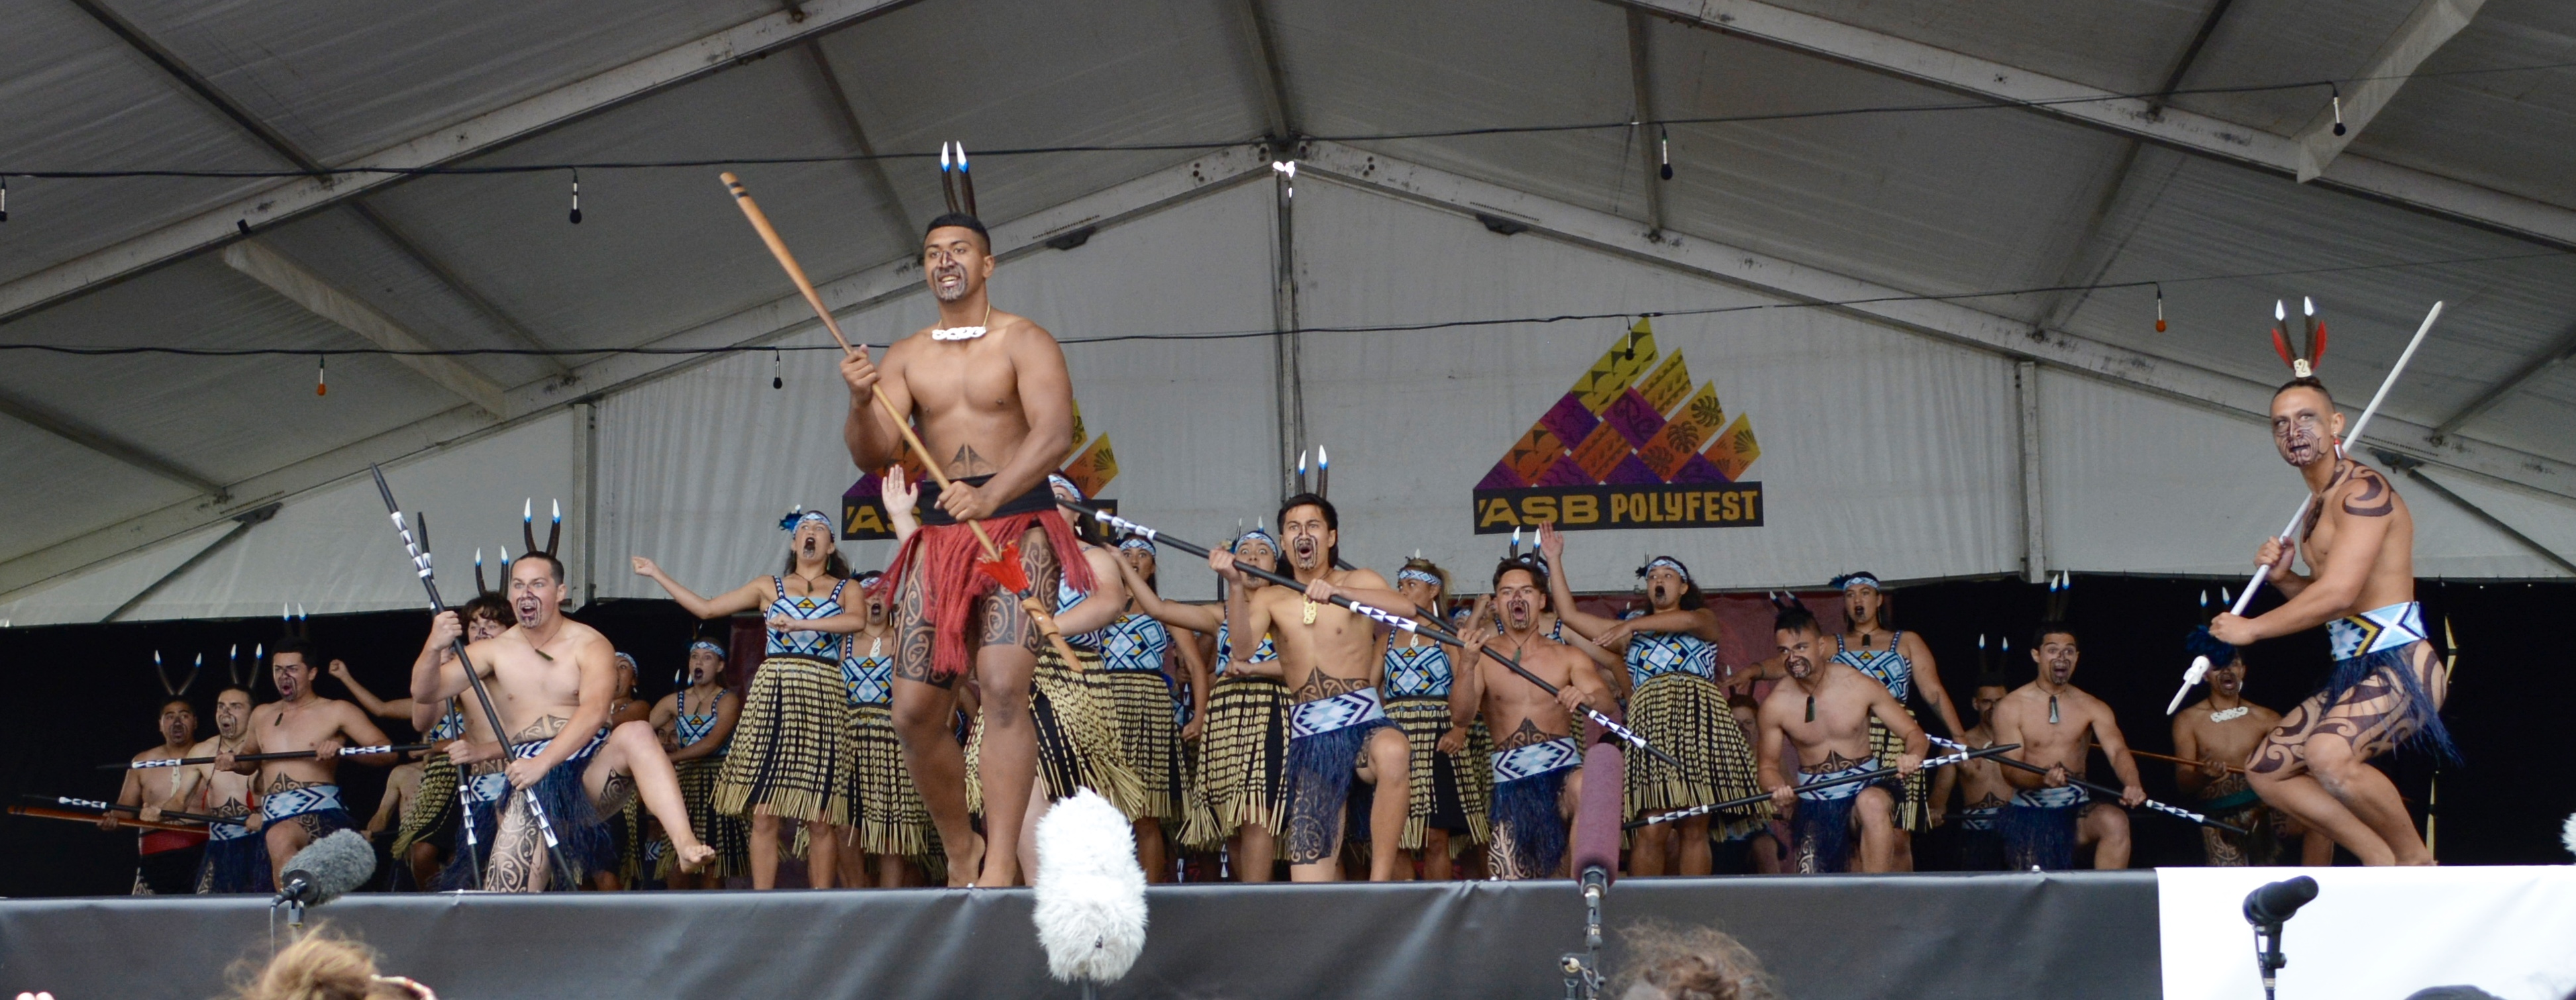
column 320, row 966
column 1692, row 963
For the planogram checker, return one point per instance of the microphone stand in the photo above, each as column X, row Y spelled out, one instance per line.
column 2267, row 953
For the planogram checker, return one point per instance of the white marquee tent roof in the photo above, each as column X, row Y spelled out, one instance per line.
column 1976, row 230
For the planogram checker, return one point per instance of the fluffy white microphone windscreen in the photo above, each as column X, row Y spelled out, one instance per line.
column 1091, row 892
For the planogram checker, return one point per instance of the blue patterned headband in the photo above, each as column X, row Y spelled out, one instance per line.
column 1057, row 480
column 1257, row 535
column 1418, row 576
column 1850, row 580
column 1136, row 542
column 796, row 519
column 708, row 646
column 1666, row 562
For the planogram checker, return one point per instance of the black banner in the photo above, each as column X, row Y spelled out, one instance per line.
column 1608, row 507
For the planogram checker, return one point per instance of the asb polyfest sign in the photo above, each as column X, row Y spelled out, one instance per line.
column 1632, row 445
column 1090, row 465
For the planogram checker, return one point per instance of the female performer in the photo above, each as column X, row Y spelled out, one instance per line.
column 1903, row 663
column 1246, row 731
column 1675, row 703
column 701, row 716
column 786, row 758
column 1448, row 796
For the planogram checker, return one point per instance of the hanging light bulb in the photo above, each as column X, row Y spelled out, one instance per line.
column 776, row 380
column 2160, row 308
column 576, row 196
column 1664, row 150
column 4, row 199
column 2337, row 101
column 321, row 375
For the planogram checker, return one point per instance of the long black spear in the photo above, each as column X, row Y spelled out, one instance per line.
column 2111, row 794
column 500, row 731
column 1388, row 618
column 145, row 765
column 1731, row 805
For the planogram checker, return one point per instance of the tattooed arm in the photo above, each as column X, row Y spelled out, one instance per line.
column 2356, row 516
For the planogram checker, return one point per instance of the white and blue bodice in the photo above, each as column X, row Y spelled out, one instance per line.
column 1419, row 672
column 817, row 645
column 868, row 673
column 1134, row 642
column 1264, row 653
column 1654, row 654
column 691, row 728
column 1886, row 666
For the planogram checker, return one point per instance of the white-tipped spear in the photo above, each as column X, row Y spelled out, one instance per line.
column 2264, row 572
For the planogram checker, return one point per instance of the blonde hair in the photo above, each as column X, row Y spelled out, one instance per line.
column 1694, row 963
column 320, row 966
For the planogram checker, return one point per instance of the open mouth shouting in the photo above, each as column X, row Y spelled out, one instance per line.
column 1305, row 549
column 948, row 282
column 526, row 607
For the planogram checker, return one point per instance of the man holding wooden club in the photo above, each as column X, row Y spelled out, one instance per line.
column 988, row 394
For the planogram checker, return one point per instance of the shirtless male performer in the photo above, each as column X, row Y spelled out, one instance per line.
column 551, row 677
column 299, row 798
column 2388, row 685
column 1823, row 711
column 166, row 862
column 1337, row 724
column 2221, row 732
column 1981, row 786
column 988, row 390
column 2057, row 724
column 1536, row 763
column 236, row 855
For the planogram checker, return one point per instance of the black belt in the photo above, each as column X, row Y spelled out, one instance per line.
column 1037, row 498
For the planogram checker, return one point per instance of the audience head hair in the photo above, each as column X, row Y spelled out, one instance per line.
column 1694, row 963
column 322, row 966
column 491, row 606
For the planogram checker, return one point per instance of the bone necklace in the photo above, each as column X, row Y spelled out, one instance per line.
column 963, row 332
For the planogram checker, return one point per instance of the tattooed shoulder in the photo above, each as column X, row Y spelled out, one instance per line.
column 2369, row 495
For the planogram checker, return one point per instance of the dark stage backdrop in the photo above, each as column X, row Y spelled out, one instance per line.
column 85, row 695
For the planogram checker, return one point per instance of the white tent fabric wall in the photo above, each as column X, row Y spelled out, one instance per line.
column 1880, row 449
column 332, row 550
column 91, row 595
column 696, row 469
column 2141, row 483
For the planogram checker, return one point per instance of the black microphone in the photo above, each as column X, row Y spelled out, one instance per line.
column 328, row 869
column 2267, row 908
column 2279, row 901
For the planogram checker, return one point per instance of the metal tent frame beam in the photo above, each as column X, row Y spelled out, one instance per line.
column 2434, row 194
column 2423, row 33
column 479, row 134
column 1898, row 308
column 765, row 323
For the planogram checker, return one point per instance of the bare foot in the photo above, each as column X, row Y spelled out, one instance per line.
column 1000, row 871
column 963, row 866
column 694, row 858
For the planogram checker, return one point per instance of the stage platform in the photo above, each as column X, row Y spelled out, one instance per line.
column 1912, row 936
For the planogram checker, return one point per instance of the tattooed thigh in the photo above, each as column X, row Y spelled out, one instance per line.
column 2285, row 750
column 1006, row 623
column 2371, row 716
column 912, row 628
